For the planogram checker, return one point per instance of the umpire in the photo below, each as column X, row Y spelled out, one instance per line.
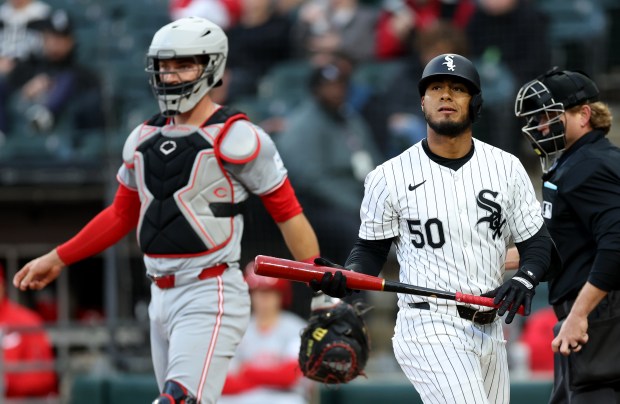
column 567, row 127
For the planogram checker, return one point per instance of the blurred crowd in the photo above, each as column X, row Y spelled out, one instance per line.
column 333, row 81
column 68, row 87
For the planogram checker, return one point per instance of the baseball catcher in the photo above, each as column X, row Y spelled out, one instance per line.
column 335, row 344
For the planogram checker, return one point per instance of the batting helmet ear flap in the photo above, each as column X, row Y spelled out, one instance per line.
column 475, row 107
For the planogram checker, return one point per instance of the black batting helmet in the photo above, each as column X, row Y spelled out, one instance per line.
column 453, row 65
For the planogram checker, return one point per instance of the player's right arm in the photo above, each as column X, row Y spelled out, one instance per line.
column 300, row 238
column 378, row 230
column 103, row 231
column 254, row 160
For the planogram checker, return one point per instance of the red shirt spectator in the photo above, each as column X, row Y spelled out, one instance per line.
column 21, row 343
column 537, row 335
column 400, row 19
column 225, row 13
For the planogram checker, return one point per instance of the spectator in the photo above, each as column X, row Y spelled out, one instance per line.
column 330, row 26
column 401, row 20
column 20, row 31
column 506, row 54
column 224, row 13
column 264, row 368
column 257, row 43
column 55, row 84
column 499, row 27
column 338, row 151
column 537, row 336
column 23, row 341
column 404, row 119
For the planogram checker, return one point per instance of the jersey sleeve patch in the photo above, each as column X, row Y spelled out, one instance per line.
column 240, row 144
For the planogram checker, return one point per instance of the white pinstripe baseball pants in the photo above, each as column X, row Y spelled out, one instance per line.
column 452, row 360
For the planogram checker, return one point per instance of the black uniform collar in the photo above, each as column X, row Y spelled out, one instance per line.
column 590, row 137
column 453, row 164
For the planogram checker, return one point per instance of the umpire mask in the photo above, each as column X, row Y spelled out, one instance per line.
column 543, row 101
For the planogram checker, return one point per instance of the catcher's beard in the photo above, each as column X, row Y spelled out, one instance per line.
column 451, row 129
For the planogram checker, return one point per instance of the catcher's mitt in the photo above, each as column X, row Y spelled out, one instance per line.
column 335, row 344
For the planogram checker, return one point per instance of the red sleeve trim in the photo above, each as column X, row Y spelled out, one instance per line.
column 105, row 229
column 311, row 259
column 282, row 204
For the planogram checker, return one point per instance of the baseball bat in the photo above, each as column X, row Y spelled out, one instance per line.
column 305, row 272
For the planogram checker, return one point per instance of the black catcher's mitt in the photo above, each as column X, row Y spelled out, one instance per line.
column 335, row 344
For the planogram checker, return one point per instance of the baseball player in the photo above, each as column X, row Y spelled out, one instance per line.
column 567, row 124
column 451, row 204
column 185, row 175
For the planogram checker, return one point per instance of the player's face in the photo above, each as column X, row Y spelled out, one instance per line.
column 446, row 107
column 175, row 71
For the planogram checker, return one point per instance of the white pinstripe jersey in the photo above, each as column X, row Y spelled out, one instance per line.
column 451, row 228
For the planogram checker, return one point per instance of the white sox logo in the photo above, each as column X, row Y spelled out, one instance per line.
column 495, row 218
column 449, row 62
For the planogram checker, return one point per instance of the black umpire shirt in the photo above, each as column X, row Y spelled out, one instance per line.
column 581, row 207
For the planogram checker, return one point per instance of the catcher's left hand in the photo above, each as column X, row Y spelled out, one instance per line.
column 335, row 344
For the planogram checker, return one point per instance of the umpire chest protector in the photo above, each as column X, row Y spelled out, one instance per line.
column 186, row 194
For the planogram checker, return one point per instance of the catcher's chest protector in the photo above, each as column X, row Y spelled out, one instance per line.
column 186, row 194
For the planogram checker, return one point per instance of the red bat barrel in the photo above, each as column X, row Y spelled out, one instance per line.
column 304, row 272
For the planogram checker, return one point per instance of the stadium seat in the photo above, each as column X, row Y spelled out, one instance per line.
column 578, row 34
column 376, row 75
column 89, row 390
column 284, row 86
column 114, row 389
column 369, row 392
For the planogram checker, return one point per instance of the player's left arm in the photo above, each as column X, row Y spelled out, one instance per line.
column 379, row 228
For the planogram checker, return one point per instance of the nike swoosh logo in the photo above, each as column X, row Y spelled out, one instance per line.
column 412, row 187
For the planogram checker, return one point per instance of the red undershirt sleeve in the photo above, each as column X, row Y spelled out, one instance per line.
column 105, row 229
column 282, row 204
column 281, row 376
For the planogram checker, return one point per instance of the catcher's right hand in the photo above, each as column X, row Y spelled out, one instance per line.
column 335, row 344
column 333, row 285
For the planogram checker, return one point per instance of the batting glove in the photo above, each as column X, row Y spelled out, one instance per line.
column 333, row 285
column 517, row 291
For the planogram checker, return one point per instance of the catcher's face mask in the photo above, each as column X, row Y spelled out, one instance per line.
column 544, row 127
column 188, row 40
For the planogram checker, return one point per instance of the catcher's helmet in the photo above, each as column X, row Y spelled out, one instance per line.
column 187, row 37
column 259, row 282
column 450, row 64
column 547, row 97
